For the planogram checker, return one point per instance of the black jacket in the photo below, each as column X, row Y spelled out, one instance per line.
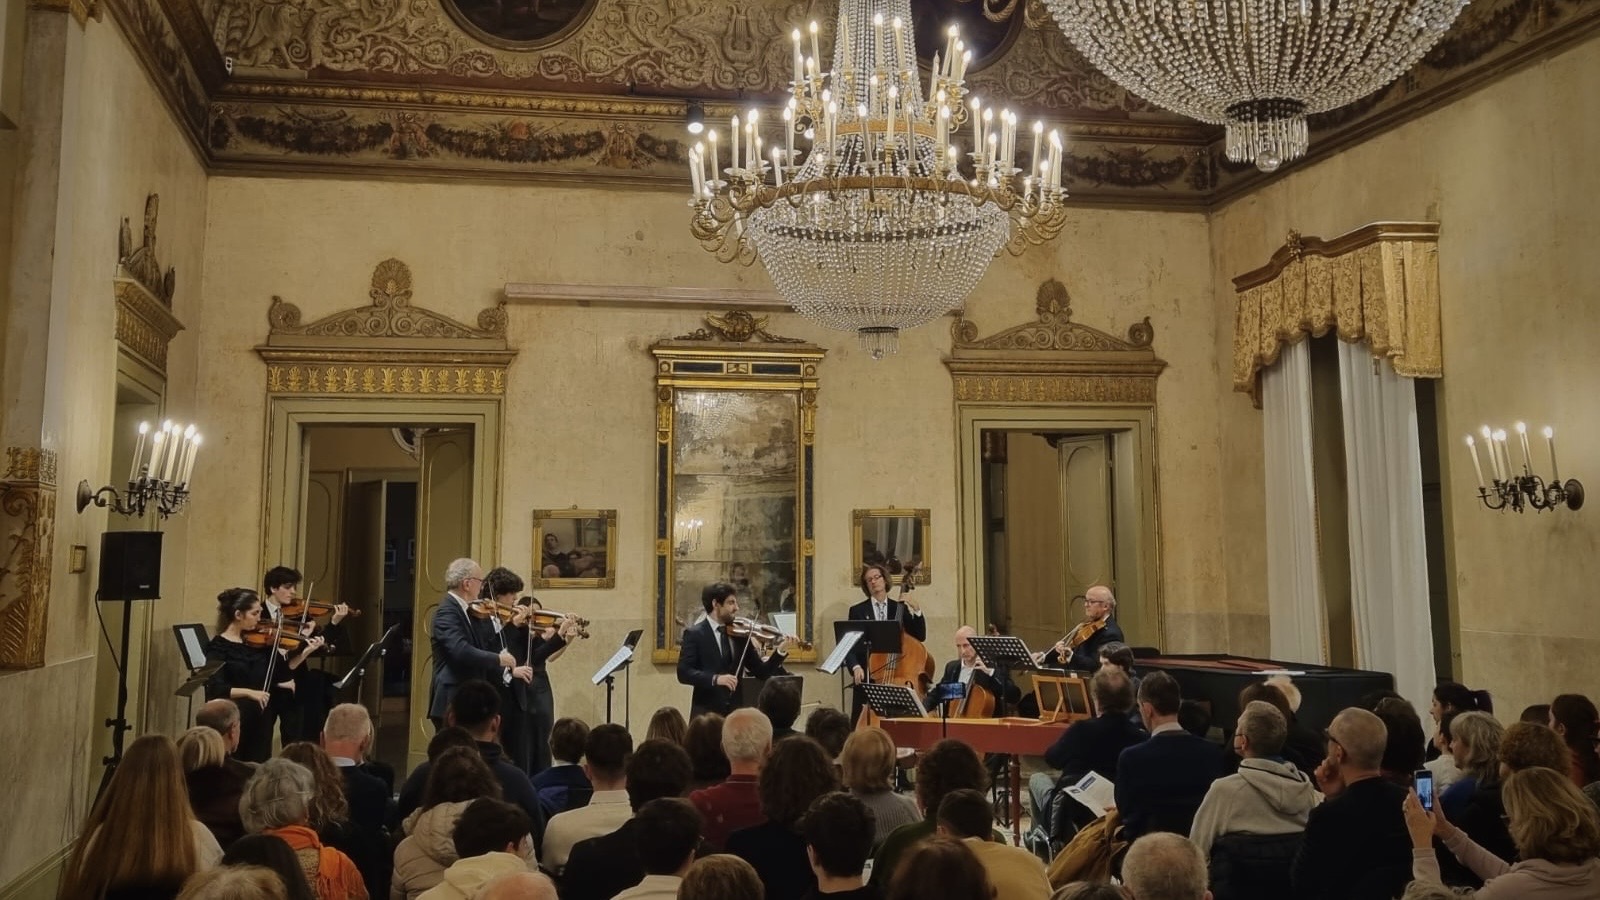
column 700, row 662
column 364, row 838
column 1093, row 745
column 1086, row 656
column 914, row 625
column 1253, row 866
column 461, row 652
column 1352, row 842
column 1160, row 782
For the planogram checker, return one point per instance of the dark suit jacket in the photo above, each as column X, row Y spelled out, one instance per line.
column 1351, row 836
column 1094, row 745
column 1086, row 656
column 999, row 685
column 778, row 855
column 1160, row 782
column 602, row 867
column 914, row 625
column 363, row 838
column 700, row 662
column 460, row 653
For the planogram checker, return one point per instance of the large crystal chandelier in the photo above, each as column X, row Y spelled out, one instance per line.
column 1257, row 66
column 875, row 228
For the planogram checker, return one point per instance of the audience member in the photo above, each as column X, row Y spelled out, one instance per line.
column 140, row 839
column 1119, row 657
column 838, row 830
column 1473, row 803
column 734, row 804
column 796, row 774
column 1527, row 744
column 1573, row 716
column 830, row 728
column 519, row 886
column 1538, row 713
column 1406, row 746
column 1164, row 866
column 1193, row 718
column 1015, row 873
column 1555, row 829
column 1303, row 747
column 458, row 777
column 1091, row 745
column 940, row 868
column 1160, row 782
column 1424, row 890
column 277, row 802
column 1443, row 766
column 1090, row 890
column 328, row 810
column 602, row 867
column 1356, row 843
column 565, row 785
column 1455, row 697
column 214, row 788
column 947, row 766
column 234, row 883
column 222, row 716
column 721, row 877
column 492, row 838
column 704, row 744
column 272, row 853
column 347, row 738
column 779, row 700
column 605, row 762
column 668, row 831
column 667, row 724
column 867, row 765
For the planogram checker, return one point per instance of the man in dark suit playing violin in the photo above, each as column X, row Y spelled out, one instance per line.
column 971, row 671
column 462, row 651
column 1080, row 650
column 711, row 659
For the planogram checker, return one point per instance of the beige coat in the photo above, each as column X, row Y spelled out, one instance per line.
column 429, row 849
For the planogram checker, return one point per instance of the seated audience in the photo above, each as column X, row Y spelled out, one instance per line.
column 1406, row 748
column 948, row 766
column 796, row 774
column 1119, row 657
column 274, row 854
column 704, row 744
column 1356, row 844
column 492, row 838
column 1193, row 718
column 1526, row 745
column 830, row 728
column 1091, row 745
column 668, row 831
column 565, row 785
column 277, row 802
column 602, row 867
column 667, row 724
column 940, row 868
column 1473, row 803
column 721, row 877
column 329, row 811
column 1538, row 713
column 1443, row 766
column 1249, row 824
column 1160, row 782
column 214, row 788
column 222, row 716
column 411, row 789
column 1015, row 873
column 140, row 839
column 1090, row 890
column 838, row 831
column 1554, row 828
column 605, row 761
column 1574, row 718
column 1455, row 697
column 234, row 883
column 347, row 738
column 458, row 777
column 1302, row 747
column 1164, row 866
column 867, row 767
column 779, row 701
column 519, row 886
column 736, row 803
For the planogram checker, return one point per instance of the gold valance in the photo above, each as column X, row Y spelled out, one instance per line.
column 1378, row 284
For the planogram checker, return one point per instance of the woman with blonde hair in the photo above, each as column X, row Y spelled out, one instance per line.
column 328, row 809
column 1473, row 802
column 214, row 788
column 667, row 724
column 277, row 801
column 867, row 765
column 721, row 877
column 1555, row 829
column 235, row 883
column 141, row 839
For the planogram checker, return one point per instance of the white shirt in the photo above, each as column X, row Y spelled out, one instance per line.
column 606, row 812
column 966, row 673
column 457, row 598
column 653, row 887
column 1163, row 729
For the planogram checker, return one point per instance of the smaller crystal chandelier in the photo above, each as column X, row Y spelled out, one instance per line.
column 1516, row 490
column 161, row 481
column 875, row 228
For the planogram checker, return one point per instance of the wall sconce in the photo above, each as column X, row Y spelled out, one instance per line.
column 689, row 535
column 1526, row 489
column 161, row 481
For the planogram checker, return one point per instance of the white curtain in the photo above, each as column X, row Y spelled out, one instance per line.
column 1294, row 582
column 1388, row 564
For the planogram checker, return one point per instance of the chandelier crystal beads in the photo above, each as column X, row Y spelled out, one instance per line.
column 1259, row 67
column 874, row 228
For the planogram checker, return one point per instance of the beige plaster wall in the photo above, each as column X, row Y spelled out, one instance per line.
column 118, row 144
column 580, row 408
column 1506, row 172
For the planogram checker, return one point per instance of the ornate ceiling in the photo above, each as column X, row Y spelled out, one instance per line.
column 574, row 90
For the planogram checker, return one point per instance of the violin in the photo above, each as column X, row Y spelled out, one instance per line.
column 545, row 618
column 536, row 618
column 300, row 607
column 266, row 635
column 766, row 635
column 1085, row 630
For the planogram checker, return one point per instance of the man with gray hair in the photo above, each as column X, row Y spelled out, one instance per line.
column 461, row 651
column 736, row 802
column 346, row 737
column 1080, row 649
column 1165, row 866
column 222, row 716
column 1356, row 843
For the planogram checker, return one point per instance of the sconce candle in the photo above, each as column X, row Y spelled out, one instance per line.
column 1522, row 489
column 1527, row 456
column 138, row 451
column 1472, row 450
column 1550, row 441
column 162, row 480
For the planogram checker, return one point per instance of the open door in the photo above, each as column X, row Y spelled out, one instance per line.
column 1088, row 520
column 362, row 582
column 444, row 533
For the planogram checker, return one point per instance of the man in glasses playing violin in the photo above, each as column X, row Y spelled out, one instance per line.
column 711, row 657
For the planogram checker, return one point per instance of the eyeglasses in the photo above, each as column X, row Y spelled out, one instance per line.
column 1328, row 737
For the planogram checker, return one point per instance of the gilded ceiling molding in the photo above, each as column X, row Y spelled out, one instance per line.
column 27, row 544
column 145, row 323
column 1054, row 360
column 387, row 348
column 1378, row 284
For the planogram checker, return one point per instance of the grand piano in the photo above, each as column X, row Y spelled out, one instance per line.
column 1216, row 679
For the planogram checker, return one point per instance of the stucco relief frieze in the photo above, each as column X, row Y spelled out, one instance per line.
column 27, row 543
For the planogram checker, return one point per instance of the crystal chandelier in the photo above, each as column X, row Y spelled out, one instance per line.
column 876, row 229
column 1257, row 66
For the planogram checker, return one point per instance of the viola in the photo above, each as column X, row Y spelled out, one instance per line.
column 546, row 618
column 1085, row 630
column 766, row 635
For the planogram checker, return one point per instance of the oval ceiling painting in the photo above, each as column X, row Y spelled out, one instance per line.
column 519, row 24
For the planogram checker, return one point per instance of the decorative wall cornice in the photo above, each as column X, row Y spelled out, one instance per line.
column 27, row 543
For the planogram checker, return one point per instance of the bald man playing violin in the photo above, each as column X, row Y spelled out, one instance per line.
column 1080, row 649
column 711, row 657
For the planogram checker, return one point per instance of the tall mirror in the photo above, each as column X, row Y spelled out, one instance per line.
column 895, row 538
column 734, row 450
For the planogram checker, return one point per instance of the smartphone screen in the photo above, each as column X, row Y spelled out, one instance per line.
column 1424, row 779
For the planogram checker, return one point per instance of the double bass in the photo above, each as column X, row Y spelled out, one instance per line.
column 910, row 666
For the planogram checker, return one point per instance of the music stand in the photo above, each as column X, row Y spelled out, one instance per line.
column 892, row 701
column 622, row 659
column 359, row 671
column 192, row 642
column 870, row 633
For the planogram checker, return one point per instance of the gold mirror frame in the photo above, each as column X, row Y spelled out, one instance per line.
column 580, row 547
column 734, row 357
column 858, row 542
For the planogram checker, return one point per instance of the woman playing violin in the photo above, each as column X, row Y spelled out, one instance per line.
column 247, row 667
column 1080, row 648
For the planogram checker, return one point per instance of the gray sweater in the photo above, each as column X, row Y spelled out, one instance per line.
column 1532, row 879
column 1266, row 796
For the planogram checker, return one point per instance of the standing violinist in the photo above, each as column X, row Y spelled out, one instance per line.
column 971, row 671
column 247, row 669
column 301, row 702
column 1080, row 650
column 462, row 651
column 711, row 659
column 880, row 607
column 541, row 647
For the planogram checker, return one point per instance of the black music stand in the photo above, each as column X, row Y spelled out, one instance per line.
column 892, row 701
column 374, row 651
column 622, row 659
column 884, row 636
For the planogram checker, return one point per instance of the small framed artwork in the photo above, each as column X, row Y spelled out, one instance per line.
column 574, row 548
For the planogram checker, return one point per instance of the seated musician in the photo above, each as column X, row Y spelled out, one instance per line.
column 971, row 671
column 1080, row 650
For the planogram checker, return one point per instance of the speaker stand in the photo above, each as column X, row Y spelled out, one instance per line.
column 119, row 725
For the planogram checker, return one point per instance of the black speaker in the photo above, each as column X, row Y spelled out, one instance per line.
column 130, row 565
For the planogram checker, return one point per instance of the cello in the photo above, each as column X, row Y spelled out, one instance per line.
column 910, row 666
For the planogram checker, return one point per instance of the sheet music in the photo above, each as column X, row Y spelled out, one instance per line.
column 1094, row 792
column 623, row 654
column 840, row 651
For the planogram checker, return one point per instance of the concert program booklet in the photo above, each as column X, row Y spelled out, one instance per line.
column 1094, row 792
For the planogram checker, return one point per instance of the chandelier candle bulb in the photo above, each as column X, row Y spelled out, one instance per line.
column 1550, row 441
column 899, row 43
column 949, row 49
column 715, row 172
column 1038, row 132
column 777, row 169
column 1500, row 450
column 933, row 76
column 961, row 70
column 788, row 135
column 157, row 446
column 1472, row 450
column 1527, row 456
column 733, row 160
column 815, row 54
column 138, row 451
column 877, row 39
column 169, row 465
column 797, row 69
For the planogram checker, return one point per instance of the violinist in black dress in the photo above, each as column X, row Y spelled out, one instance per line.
column 250, row 666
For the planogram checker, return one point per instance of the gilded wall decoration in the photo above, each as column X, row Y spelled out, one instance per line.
column 145, row 325
column 519, row 24
column 1053, row 330
column 27, row 543
column 392, row 380
column 390, row 315
column 737, row 327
